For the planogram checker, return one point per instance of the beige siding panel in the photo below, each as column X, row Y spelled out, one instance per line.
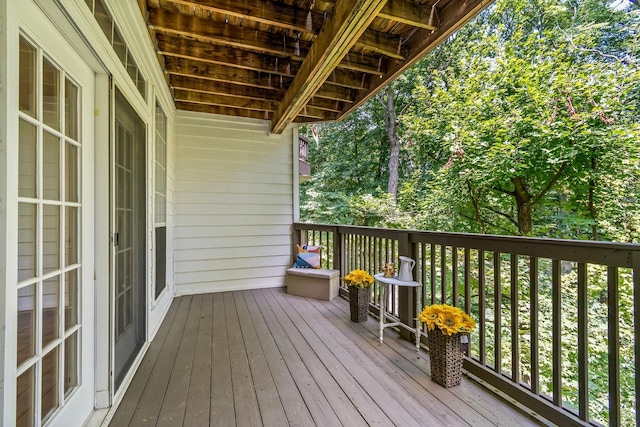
column 219, row 175
column 193, row 255
column 261, row 188
column 233, row 204
column 259, row 231
column 185, row 209
column 214, row 219
column 208, row 195
column 238, row 242
column 245, row 262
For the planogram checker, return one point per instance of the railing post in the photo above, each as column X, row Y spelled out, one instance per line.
column 296, row 242
column 337, row 251
column 406, row 295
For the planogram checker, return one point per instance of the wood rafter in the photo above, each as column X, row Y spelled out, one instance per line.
column 263, row 11
column 293, row 60
column 409, row 13
column 179, row 47
column 451, row 17
column 240, row 103
column 291, row 18
column 190, row 27
column 347, row 23
column 229, row 35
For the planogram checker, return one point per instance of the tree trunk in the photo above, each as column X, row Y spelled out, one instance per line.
column 523, row 203
column 391, row 123
column 592, row 206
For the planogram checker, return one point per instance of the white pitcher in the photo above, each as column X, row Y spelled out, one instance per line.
column 406, row 268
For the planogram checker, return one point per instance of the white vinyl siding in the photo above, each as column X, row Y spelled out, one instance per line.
column 233, row 204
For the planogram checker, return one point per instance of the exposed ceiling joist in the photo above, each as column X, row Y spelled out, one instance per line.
column 293, row 60
column 229, row 111
column 292, row 18
column 265, row 12
column 189, row 28
column 228, row 35
column 452, row 16
column 408, row 12
column 223, row 88
column 349, row 20
column 221, row 73
column 173, row 46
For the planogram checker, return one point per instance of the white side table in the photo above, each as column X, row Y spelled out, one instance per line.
column 385, row 282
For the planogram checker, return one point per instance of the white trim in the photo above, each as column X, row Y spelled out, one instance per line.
column 70, row 23
column 104, row 416
column 102, row 242
column 296, row 175
column 8, row 205
column 30, row 20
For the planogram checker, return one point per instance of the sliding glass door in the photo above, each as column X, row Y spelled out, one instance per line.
column 129, row 236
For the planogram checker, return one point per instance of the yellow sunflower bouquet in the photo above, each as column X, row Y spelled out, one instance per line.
column 358, row 278
column 450, row 320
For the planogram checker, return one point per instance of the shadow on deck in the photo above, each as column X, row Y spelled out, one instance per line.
column 264, row 357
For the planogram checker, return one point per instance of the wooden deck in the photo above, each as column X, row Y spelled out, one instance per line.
column 264, row 357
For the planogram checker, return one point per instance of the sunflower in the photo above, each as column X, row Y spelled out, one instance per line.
column 468, row 324
column 450, row 320
column 431, row 316
column 359, row 278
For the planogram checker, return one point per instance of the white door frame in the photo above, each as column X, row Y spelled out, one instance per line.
column 25, row 18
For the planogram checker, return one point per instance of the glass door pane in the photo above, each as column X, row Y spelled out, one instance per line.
column 49, row 226
column 129, row 204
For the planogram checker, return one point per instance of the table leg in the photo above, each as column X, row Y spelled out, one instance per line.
column 383, row 286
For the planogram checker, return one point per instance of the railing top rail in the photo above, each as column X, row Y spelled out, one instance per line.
column 297, row 226
column 606, row 253
column 388, row 233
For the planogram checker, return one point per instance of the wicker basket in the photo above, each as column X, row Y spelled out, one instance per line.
column 359, row 299
column 446, row 358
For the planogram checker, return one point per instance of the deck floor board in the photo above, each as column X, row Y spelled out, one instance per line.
column 290, row 396
column 199, row 399
column 138, row 384
column 266, row 358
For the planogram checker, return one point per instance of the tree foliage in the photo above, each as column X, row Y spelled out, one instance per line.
column 524, row 122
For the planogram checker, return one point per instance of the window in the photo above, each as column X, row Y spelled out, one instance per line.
column 111, row 31
column 49, row 256
column 160, row 183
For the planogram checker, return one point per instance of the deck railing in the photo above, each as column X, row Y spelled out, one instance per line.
column 557, row 323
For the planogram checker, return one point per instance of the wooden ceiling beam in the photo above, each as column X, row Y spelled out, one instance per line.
column 452, row 16
column 228, row 75
column 408, row 12
column 263, row 11
column 181, row 47
column 349, row 19
column 245, row 92
column 171, row 24
column 220, row 88
column 226, row 111
column 289, row 17
column 333, row 93
column 221, row 73
column 260, row 108
column 259, row 105
column 231, row 35
column 372, row 65
column 382, row 44
column 181, row 95
column 207, row 52
column 326, row 104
